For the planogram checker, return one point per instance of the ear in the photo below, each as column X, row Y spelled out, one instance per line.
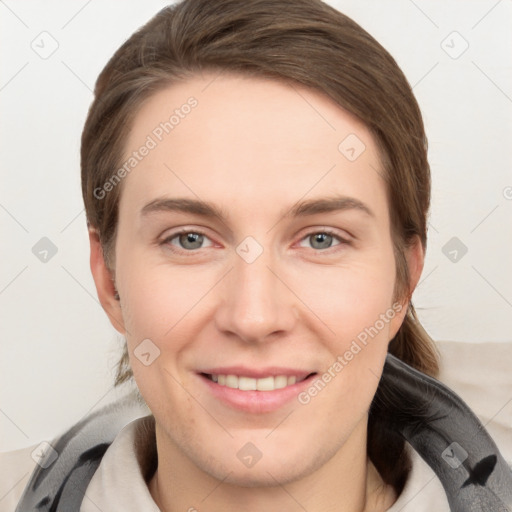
column 415, row 258
column 415, row 255
column 104, row 282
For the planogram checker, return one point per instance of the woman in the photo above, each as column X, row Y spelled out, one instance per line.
column 256, row 184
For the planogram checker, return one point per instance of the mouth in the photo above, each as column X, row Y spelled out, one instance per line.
column 259, row 392
column 245, row 383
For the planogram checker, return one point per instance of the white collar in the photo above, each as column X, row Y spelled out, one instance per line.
column 119, row 483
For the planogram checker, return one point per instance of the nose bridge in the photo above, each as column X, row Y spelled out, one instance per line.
column 254, row 302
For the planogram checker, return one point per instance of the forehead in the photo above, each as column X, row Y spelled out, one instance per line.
column 249, row 140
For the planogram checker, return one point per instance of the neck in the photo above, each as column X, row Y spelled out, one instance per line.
column 348, row 482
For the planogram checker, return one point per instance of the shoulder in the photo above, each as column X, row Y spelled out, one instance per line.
column 46, row 473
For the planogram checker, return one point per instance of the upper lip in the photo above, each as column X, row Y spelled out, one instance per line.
column 258, row 373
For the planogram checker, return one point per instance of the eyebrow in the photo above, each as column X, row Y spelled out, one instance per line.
column 300, row 209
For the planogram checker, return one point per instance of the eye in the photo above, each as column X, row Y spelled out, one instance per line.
column 191, row 240
column 323, row 240
column 187, row 240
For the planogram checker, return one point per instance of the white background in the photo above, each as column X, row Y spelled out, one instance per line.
column 58, row 350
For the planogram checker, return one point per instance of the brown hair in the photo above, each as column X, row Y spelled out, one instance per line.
column 299, row 41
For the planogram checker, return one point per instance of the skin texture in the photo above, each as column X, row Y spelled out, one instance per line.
column 254, row 148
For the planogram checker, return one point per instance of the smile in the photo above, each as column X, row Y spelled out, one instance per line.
column 244, row 383
column 262, row 391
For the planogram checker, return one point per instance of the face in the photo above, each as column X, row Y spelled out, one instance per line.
column 288, row 283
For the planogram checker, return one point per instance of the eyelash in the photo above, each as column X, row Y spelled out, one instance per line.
column 191, row 252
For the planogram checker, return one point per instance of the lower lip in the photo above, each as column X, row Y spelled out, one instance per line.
column 256, row 401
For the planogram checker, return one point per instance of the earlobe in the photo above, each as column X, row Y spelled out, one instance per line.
column 105, row 287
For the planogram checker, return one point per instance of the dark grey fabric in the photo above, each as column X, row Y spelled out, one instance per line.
column 447, row 435
column 430, row 416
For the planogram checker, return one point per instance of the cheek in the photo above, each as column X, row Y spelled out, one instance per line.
column 160, row 304
column 351, row 297
column 157, row 297
column 168, row 306
column 356, row 302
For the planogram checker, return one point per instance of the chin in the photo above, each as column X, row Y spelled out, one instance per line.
column 263, row 477
column 270, row 471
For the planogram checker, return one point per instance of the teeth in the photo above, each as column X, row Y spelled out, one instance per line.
column 245, row 384
column 280, row 381
column 265, row 384
column 252, row 384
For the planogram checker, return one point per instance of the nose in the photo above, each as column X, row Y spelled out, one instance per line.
column 255, row 303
